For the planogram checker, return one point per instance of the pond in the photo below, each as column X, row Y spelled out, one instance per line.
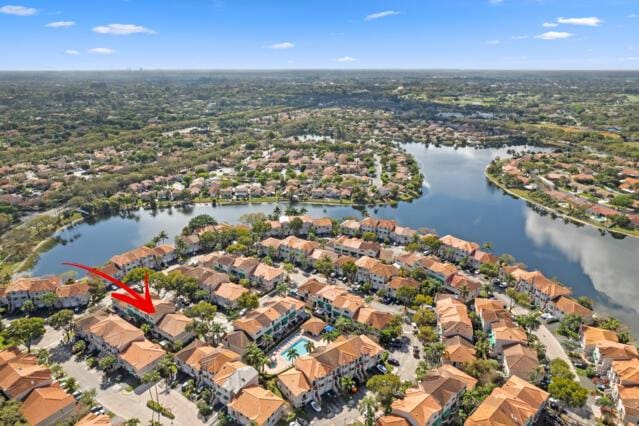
column 457, row 199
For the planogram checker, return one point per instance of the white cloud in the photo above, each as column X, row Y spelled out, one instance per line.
column 282, row 45
column 122, row 29
column 346, row 59
column 60, row 24
column 592, row 21
column 519, row 37
column 378, row 15
column 102, row 50
column 72, row 52
column 493, row 42
column 553, row 35
column 549, row 24
column 633, row 15
column 18, row 10
column 496, row 1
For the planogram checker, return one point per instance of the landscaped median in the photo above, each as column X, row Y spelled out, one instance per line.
column 159, row 408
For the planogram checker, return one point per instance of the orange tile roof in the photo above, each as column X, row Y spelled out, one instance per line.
column 391, row 421
column 142, row 354
column 458, row 243
column 594, row 335
column 116, row 332
column 459, row 350
column 92, row 419
column 45, row 402
column 314, row 326
column 399, row 282
column 214, row 361
column 627, row 371
column 295, row 381
column 521, row 360
column 417, row 404
column 311, row 286
column 174, row 324
column 194, row 353
column 22, row 374
column 629, row 397
column 569, row 306
column 257, row 404
column 131, row 256
column 617, row 351
column 373, row 317
column 34, row 284
column 267, row 272
column 506, row 330
column 79, row 288
column 230, row 291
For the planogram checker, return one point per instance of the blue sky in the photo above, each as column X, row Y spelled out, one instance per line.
column 263, row 34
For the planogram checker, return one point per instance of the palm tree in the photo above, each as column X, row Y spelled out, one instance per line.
column 309, row 346
column 162, row 236
column 433, row 352
column 267, row 340
column 368, row 407
column 216, row 330
column 153, row 377
column 292, row 354
column 464, row 291
column 346, row 383
column 482, row 347
column 529, row 322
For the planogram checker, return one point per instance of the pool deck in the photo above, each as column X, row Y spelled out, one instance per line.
column 277, row 354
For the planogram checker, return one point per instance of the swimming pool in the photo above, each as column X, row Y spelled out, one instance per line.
column 300, row 348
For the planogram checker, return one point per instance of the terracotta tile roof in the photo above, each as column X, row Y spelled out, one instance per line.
column 322, row 222
column 174, row 324
column 521, row 360
column 116, row 332
column 627, row 371
column 459, row 350
column 384, row 270
column 321, row 254
column 257, row 404
column 617, row 351
column 79, row 288
column 594, row 335
column 569, row 306
column 484, row 257
column 214, row 361
column 267, row 272
column 34, row 284
column 230, row 291
column 22, row 374
column 164, row 249
column 125, row 258
column 459, row 244
column 45, row 402
column 452, row 316
column 391, row 421
column 295, row 381
column 92, row 419
column 399, row 282
column 8, row 355
column 141, row 354
column 367, row 263
column 629, row 397
column 271, row 242
column 417, row 404
column 300, row 244
column 373, row 317
column 458, row 281
column 237, row 339
column 246, row 264
column 314, row 326
column 194, row 353
column 506, row 330
column 235, row 375
column 264, row 316
column 350, row 224
column 444, row 269
column 311, row 286
column 515, row 403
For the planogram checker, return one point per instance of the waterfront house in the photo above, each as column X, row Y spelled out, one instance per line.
column 480, row 258
column 29, row 288
column 402, row 235
column 623, row 378
column 256, row 406
column 322, row 226
column 73, row 295
column 141, row 257
column 320, row 371
column 464, row 288
column 516, row 402
column 591, row 336
column 565, row 305
column 456, row 249
column 165, row 254
column 350, row 227
column 355, row 247
column 606, row 352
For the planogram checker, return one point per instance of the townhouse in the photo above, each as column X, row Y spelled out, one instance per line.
column 269, row 247
column 243, row 267
column 256, row 406
column 322, row 226
column 333, row 302
column 481, row 257
column 436, row 270
column 371, row 270
column 520, row 360
column 162, row 307
column 458, row 351
column 490, row 311
column 452, row 318
column 543, row 291
column 207, row 279
column 165, row 254
column 92, row 419
column 436, row 397
column 228, row 295
column 188, row 244
column 516, row 402
column 355, row 247
column 463, row 287
column 29, row 288
column 320, row 371
column 456, row 249
column 174, row 327
column 73, row 295
column 505, row 333
column 276, row 317
column 141, row 357
column 606, row 352
column 565, row 305
column 297, row 250
column 20, row 374
column 350, row 227
column 266, row 277
column 48, row 406
column 591, row 336
column 398, row 282
column 402, row 235
column 323, row 255
column 623, row 378
column 141, row 257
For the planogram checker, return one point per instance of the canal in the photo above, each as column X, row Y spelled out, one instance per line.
column 457, row 199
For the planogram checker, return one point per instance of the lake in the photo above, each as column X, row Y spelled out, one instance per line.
column 457, row 199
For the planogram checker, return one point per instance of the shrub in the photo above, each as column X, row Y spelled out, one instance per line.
column 158, row 408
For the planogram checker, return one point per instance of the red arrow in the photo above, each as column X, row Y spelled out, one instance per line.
column 143, row 303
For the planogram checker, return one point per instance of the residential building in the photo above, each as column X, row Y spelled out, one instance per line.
column 490, row 311
column 458, row 351
column 505, row 333
column 276, row 317
column 29, row 288
column 73, row 295
column 267, row 277
column 21, row 374
column 606, row 352
column 521, row 361
column 456, row 249
column 355, row 247
column 47, row 406
column 453, row 318
column 623, row 377
column 398, row 282
column 591, row 336
column 322, row 226
column 256, row 406
column 371, row 270
column 243, row 267
column 174, row 328
column 463, row 287
column 141, row 257
column 319, row 372
column 565, row 305
column 231, row 379
column 228, row 295
column 402, row 235
column 107, row 332
column 297, row 250
column 516, row 403
column 350, row 227
column 141, row 357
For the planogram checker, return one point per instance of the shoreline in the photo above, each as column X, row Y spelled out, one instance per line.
column 494, row 181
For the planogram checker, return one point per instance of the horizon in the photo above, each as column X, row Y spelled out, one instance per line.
column 483, row 35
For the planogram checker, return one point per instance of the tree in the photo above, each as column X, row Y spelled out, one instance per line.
column 248, row 301
column 62, row 320
column 309, row 346
column 204, row 319
column 369, row 236
column 26, row 330
column 472, row 398
column 10, row 413
column 368, row 407
column 529, row 321
column 433, row 352
column 267, row 340
column 484, row 370
column 292, row 354
column 296, row 225
column 586, row 302
column 79, row 347
column 406, row 295
column 324, row 266
column 28, row 306
column 350, row 270
column 610, row 323
column 385, row 387
column 570, row 325
column 346, row 383
column 49, row 299
column 427, row 334
column 255, row 357
column 107, row 362
column 568, row 391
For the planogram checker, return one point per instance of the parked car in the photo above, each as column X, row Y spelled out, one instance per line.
column 393, row 361
column 315, row 406
column 381, row 368
column 77, row 394
column 547, row 316
column 396, row 343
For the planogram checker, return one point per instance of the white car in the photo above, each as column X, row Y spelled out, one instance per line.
column 315, row 406
column 381, row 368
column 548, row 316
